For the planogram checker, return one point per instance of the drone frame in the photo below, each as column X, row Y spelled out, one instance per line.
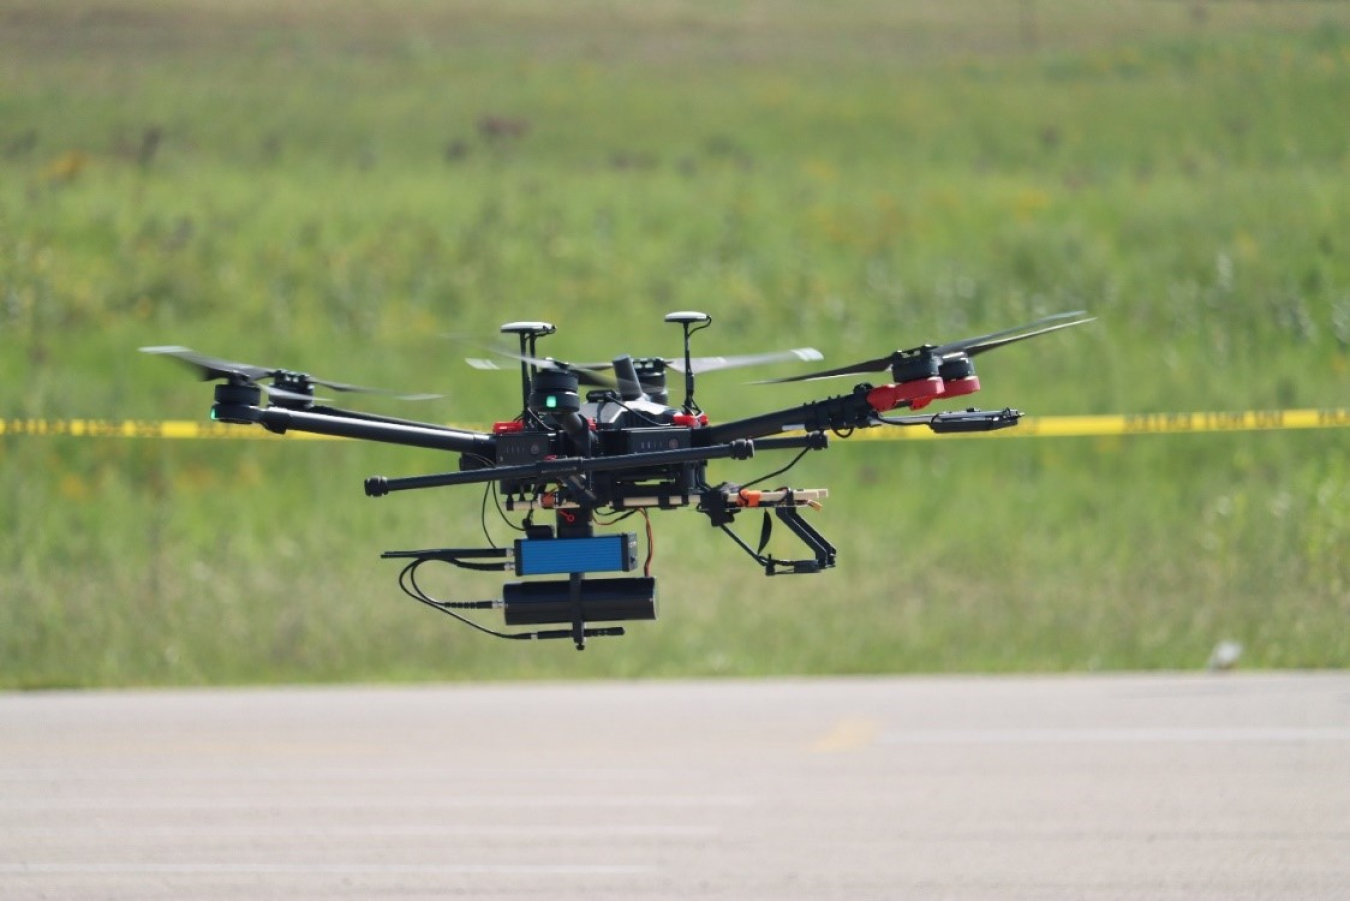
column 619, row 450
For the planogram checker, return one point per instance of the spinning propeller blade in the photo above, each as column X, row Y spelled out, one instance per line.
column 967, row 347
column 712, row 364
column 880, row 364
column 972, row 346
column 585, row 372
column 699, row 364
column 211, row 368
column 281, row 394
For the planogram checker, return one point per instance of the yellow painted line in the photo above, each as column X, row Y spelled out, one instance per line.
column 1029, row 427
column 851, row 734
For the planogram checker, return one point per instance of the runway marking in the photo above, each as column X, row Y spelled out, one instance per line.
column 437, row 775
column 377, row 830
column 320, row 869
column 849, row 734
column 235, row 802
column 1067, row 736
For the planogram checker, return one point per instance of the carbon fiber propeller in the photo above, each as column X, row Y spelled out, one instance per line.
column 967, row 347
column 285, row 381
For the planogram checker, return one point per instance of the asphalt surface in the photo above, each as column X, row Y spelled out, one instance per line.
column 1196, row 787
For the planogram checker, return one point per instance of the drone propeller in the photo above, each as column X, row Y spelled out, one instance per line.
column 972, row 346
column 699, row 365
column 284, row 397
column 904, row 359
column 585, row 373
column 288, row 385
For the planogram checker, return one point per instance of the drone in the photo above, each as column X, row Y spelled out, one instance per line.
column 568, row 463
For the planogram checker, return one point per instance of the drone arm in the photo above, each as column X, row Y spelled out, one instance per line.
column 281, row 420
column 562, row 467
column 375, row 417
column 850, row 411
column 864, row 408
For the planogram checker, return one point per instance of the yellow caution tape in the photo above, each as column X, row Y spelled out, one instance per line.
column 137, row 428
column 1029, row 427
column 1142, row 424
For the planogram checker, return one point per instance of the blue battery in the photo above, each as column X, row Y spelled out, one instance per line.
column 600, row 553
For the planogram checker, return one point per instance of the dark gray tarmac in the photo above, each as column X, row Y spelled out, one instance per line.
column 1157, row 786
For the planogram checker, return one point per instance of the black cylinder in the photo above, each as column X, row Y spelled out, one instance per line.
column 602, row 600
column 958, row 367
column 230, row 394
column 554, row 391
column 920, row 363
column 630, row 387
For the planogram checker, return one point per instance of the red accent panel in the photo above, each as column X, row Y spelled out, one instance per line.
column 689, row 419
column 515, row 425
column 917, row 393
column 961, row 387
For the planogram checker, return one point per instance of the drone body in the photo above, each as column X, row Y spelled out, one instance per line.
column 619, row 451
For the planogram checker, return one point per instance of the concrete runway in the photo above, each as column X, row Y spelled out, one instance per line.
column 1187, row 787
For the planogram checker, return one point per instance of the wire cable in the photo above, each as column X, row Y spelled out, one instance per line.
column 619, row 402
column 651, row 544
column 407, row 580
column 482, row 514
column 778, row 472
column 616, row 520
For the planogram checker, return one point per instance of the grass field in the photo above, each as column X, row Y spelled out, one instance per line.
column 362, row 189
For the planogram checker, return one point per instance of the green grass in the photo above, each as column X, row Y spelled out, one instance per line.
column 313, row 185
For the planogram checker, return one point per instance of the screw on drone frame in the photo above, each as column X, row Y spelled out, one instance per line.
column 687, row 320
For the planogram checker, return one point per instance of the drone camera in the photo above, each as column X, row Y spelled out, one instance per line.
column 599, row 553
column 573, row 600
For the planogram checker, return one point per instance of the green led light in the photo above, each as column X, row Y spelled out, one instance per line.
column 551, row 402
column 213, row 413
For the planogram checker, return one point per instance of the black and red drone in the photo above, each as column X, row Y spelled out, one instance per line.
column 619, row 451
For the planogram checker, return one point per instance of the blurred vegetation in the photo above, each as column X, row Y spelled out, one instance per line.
column 360, row 188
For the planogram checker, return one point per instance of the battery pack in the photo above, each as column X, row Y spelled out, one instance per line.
column 599, row 553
